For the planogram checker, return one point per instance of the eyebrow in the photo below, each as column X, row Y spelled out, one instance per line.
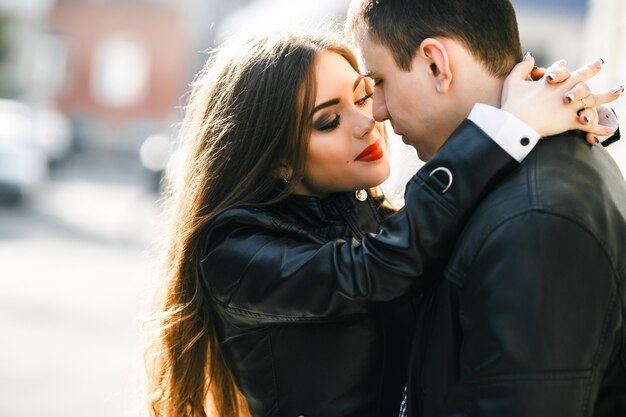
column 336, row 100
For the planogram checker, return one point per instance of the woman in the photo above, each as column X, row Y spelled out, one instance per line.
column 278, row 286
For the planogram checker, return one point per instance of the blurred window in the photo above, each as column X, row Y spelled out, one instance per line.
column 121, row 71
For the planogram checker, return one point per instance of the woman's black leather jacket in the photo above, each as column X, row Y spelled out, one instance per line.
column 312, row 297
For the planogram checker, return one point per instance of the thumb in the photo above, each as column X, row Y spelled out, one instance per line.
column 524, row 68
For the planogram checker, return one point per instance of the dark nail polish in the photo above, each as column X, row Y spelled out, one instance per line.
column 569, row 98
column 586, row 119
column 597, row 140
column 618, row 90
column 602, row 59
column 550, row 77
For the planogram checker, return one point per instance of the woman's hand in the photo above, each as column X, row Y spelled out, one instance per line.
column 559, row 100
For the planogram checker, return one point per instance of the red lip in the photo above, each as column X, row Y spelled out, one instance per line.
column 372, row 153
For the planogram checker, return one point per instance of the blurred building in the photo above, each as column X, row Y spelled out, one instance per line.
column 126, row 67
column 124, row 61
column 119, row 69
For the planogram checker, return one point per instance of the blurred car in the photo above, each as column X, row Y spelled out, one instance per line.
column 22, row 169
column 23, row 161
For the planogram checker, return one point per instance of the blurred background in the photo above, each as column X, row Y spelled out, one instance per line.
column 90, row 97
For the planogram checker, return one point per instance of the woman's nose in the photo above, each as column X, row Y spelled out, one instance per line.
column 364, row 126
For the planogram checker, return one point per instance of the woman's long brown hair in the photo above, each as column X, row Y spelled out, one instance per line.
column 247, row 120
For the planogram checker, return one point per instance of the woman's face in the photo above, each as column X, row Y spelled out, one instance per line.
column 347, row 149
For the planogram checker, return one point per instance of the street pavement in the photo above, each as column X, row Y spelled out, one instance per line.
column 76, row 271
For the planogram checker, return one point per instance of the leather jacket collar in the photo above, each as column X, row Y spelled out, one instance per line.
column 340, row 215
column 313, row 210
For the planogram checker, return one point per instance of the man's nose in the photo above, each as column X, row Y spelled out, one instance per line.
column 379, row 106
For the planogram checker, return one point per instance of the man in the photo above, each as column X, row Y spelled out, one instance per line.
column 530, row 318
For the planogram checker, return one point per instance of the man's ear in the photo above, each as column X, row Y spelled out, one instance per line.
column 436, row 56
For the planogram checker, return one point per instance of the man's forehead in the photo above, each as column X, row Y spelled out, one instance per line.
column 369, row 54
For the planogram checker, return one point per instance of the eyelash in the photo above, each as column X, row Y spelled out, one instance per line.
column 362, row 101
column 330, row 126
column 335, row 122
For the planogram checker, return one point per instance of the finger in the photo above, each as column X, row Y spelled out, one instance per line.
column 557, row 75
column 538, row 72
column 523, row 69
column 580, row 91
column 591, row 139
column 585, row 73
column 608, row 96
column 589, row 121
column 588, row 116
column 594, row 128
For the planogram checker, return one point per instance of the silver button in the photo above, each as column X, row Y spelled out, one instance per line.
column 360, row 195
column 447, row 171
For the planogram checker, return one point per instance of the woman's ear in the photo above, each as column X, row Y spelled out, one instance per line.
column 282, row 172
column 436, row 56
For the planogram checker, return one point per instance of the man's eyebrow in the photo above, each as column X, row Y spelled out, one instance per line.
column 335, row 100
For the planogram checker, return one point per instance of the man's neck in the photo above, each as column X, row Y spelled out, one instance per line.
column 487, row 91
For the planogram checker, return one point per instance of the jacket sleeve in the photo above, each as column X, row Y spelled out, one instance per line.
column 539, row 316
column 263, row 277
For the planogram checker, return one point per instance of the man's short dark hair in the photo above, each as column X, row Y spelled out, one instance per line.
column 487, row 28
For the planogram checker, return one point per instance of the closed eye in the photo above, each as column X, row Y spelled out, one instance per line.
column 324, row 125
column 362, row 101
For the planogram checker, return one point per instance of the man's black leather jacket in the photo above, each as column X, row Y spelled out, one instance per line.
column 299, row 290
column 530, row 318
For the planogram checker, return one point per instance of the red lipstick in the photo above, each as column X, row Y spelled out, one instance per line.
column 372, row 153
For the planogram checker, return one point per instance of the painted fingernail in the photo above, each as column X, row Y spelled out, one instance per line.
column 602, row 60
column 586, row 119
column 569, row 98
column 528, row 56
column 597, row 140
column 550, row 77
column 617, row 90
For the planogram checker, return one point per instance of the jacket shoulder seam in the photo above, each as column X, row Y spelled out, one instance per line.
column 542, row 210
column 276, row 317
column 244, row 271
